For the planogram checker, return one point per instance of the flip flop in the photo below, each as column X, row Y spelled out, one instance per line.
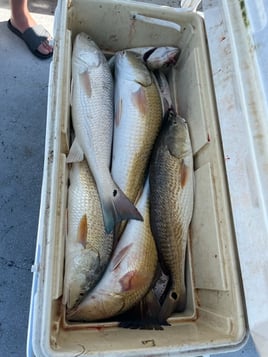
column 33, row 37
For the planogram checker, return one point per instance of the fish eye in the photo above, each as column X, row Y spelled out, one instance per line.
column 114, row 193
column 174, row 295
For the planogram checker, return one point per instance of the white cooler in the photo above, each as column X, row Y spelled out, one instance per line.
column 220, row 86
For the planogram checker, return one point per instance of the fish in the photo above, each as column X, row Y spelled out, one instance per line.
column 161, row 57
column 138, row 117
column 156, row 58
column 88, row 247
column 92, row 119
column 129, row 274
column 171, row 179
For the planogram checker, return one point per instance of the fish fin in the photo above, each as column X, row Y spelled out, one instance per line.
column 133, row 280
column 169, row 305
column 118, row 112
column 152, row 305
column 151, row 308
column 71, row 93
column 118, row 231
column 163, row 88
column 117, row 209
column 76, row 153
column 120, row 256
column 143, row 315
column 182, row 302
column 115, row 303
column 140, row 101
column 184, row 170
column 85, row 82
column 82, row 231
column 111, row 63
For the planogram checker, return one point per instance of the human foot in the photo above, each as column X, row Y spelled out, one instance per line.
column 24, row 24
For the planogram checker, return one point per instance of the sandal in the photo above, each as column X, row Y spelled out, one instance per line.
column 33, row 37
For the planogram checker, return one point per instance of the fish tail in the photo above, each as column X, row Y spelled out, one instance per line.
column 152, row 309
column 182, row 302
column 170, row 304
column 118, row 208
column 145, row 315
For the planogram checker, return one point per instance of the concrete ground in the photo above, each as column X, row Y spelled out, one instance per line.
column 23, row 100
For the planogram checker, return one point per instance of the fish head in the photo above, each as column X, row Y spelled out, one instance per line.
column 131, row 66
column 87, row 54
column 161, row 57
column 83, row 270
column 97, row 306
column 177, row 135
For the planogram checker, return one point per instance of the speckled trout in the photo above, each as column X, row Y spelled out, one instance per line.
column 171, row 198
column 88, row 247
column 138, row 116
column 92, row 117
column 129, row 274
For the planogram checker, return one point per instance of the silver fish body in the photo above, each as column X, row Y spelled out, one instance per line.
column 138, row 116
column 92, row 117
column 88, row 247
column 129, row 274
column 171, row 198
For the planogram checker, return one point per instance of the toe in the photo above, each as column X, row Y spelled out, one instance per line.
column 45, row 48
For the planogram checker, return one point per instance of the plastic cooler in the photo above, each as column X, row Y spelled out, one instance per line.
column 215, row 317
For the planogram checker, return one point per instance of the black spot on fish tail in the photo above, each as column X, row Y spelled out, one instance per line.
column 117, row 209
column 169, row 306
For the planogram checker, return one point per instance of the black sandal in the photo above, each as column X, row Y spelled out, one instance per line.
column 33, row 37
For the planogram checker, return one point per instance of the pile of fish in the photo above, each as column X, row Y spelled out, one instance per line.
column 130, row 198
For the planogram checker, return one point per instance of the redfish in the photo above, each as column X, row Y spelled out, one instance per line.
column 138, row 116
column 129, row 274
column 92, row 118
column 88, row 247
column 171, row 199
